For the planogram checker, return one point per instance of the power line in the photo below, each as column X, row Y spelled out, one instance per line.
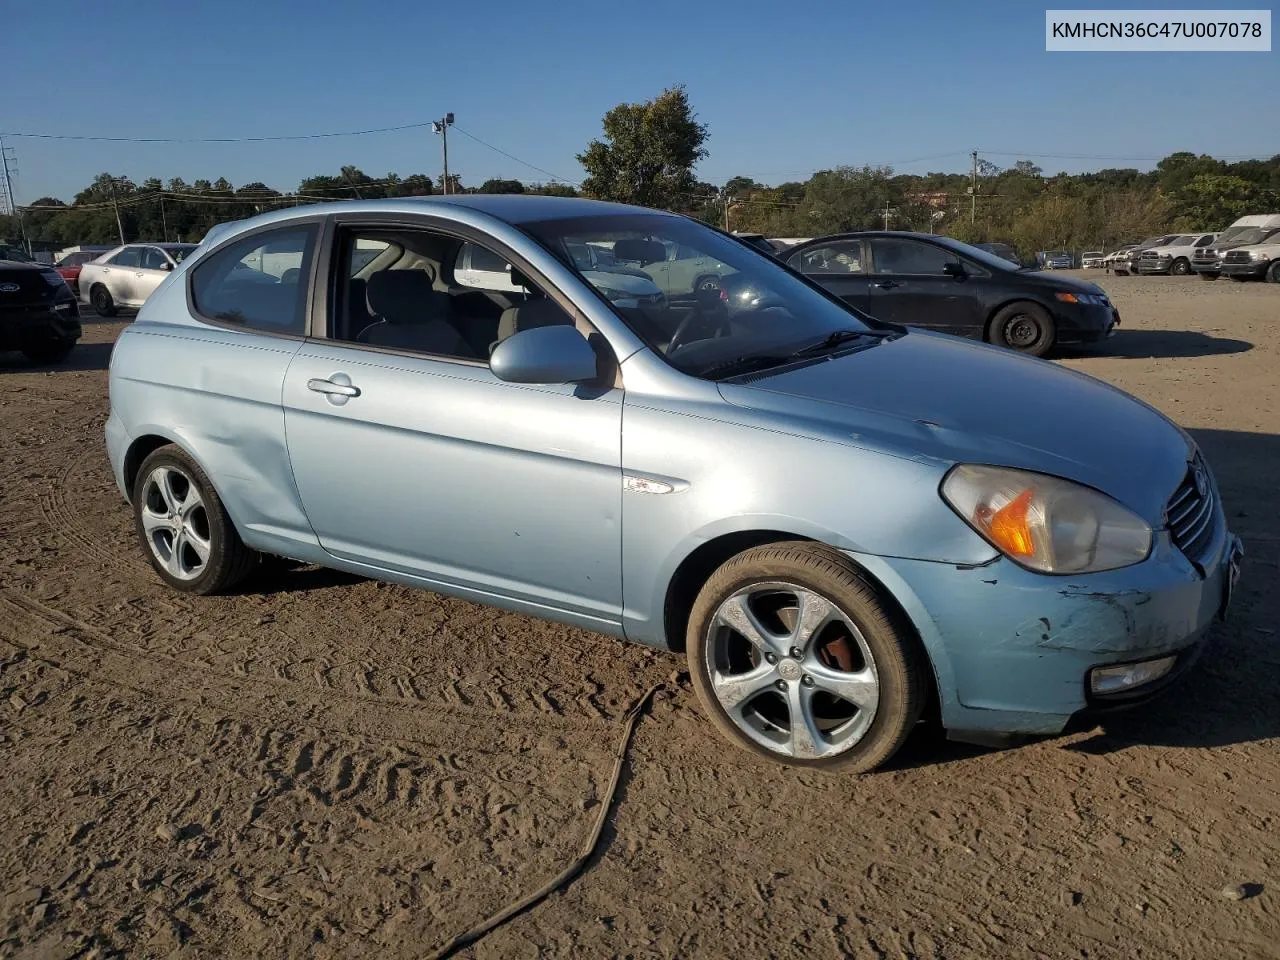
column 511, row 156
column 296, row 136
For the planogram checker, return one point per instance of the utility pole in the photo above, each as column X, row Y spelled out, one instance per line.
column 973, row 190
column 441, row 127
column 13, row 203
column 164, row 224
column 886, row 213
column 727, row 200
column 115, row 203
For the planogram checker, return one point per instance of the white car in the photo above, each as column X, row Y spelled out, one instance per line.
column 478, row 268
column 1092, row 259
column 127, row 275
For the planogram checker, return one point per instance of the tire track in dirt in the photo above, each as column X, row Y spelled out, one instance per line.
column 75, row 645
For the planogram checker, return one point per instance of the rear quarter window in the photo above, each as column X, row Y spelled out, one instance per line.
column 259, row 283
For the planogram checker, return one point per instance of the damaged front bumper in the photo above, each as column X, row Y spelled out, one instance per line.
column 1013, row 650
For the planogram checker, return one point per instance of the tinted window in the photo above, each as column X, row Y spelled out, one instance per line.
column 911, row 257
column 153, row 259
column 258, row 282
column 482, row 259
column 180, row 251
column 1205, row 240
column 836, row 259
column 128, row 257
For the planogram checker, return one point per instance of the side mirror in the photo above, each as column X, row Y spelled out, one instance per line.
column 557, row 354
column 166, row 266
column 954, row 269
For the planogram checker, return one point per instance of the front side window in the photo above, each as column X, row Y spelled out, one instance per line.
column 909, row 257
column 432, row 294
column 153, row 259
column 180, row 251
column 730, row 308
column 128, row 257
column 257, row 282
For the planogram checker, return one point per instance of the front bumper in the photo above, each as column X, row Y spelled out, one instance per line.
column 19, row 325
column 1012, row 649
column 1206, row 266
column 1085, row 324
column 1253, row 268
column 1154, row 267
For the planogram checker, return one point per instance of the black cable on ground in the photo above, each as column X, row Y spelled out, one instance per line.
column 573, row 869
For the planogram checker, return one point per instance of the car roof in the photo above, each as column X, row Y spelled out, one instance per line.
column 510, row 208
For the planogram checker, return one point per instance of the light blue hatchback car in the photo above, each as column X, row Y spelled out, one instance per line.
column 843, row 524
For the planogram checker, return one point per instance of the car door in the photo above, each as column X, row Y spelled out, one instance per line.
column 911, row 284
column 152, row 269
column 118, row 274
column 839, row 268
column 412, row 460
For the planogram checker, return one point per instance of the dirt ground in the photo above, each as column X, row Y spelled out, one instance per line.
column 328, row 766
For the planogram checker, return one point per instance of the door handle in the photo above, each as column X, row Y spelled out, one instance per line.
column 887, row 284
column 333, row 387
column 138, row 274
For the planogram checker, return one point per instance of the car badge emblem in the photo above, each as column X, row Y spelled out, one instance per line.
column 9, row 288
column 1202, row 480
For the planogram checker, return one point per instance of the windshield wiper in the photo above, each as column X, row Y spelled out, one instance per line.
column 835, row 338
column 741, row 365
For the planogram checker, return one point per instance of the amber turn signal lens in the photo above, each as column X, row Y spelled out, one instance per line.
column 1067, row 297
column 1010, row 526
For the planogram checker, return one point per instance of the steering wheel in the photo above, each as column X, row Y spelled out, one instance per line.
column 695, row 316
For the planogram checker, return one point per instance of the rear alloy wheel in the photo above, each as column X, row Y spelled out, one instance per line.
column 1181, row 267
column 103, row 305
column 795, row 658
column 47, row 352
column 1273, row 273
column 1025, row 327
column 188, row 536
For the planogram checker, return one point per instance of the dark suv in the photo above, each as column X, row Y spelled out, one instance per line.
column 952, row 287
column 38, row 312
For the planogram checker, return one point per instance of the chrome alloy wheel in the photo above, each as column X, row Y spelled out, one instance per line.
column 176, row 522
column 792, row 671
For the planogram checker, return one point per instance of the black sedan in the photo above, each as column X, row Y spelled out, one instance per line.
column 952, row 287
column 38, row 313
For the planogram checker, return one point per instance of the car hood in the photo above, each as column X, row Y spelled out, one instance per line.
column 1057, row 281
column 925, row 395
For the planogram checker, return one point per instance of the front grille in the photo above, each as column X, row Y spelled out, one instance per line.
column 1191, row 511
column 1236, row 256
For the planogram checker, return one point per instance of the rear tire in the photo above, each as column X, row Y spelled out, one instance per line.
column 1181, row 267
column 103, row 305
column 48, row 352
column 1024, row 327
column 184, row 528
column 881, row 663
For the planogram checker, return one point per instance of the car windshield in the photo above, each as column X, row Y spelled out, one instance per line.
column 179, row 251
column 985, row 257
column 713, row 306
column 1249, row 235
column 14, row 254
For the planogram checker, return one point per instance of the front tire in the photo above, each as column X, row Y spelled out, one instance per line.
column 1024, row 327
column 795, row 658
column 1273, row 272
column 102, row 302
column 1181, row 267
column 184, row 528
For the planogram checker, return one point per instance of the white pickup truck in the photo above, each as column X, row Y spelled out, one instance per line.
column 1255, row 261
column 1175, row 258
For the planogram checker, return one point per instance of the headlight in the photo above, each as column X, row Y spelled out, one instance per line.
column 1259, row 255
column 1046, row 523
column 1092, row 299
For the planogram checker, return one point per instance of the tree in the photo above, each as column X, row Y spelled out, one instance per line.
column 501, row 186
column 648, row 152
column 847, row 198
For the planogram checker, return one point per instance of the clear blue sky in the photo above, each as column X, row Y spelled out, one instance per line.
column 786, row 88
